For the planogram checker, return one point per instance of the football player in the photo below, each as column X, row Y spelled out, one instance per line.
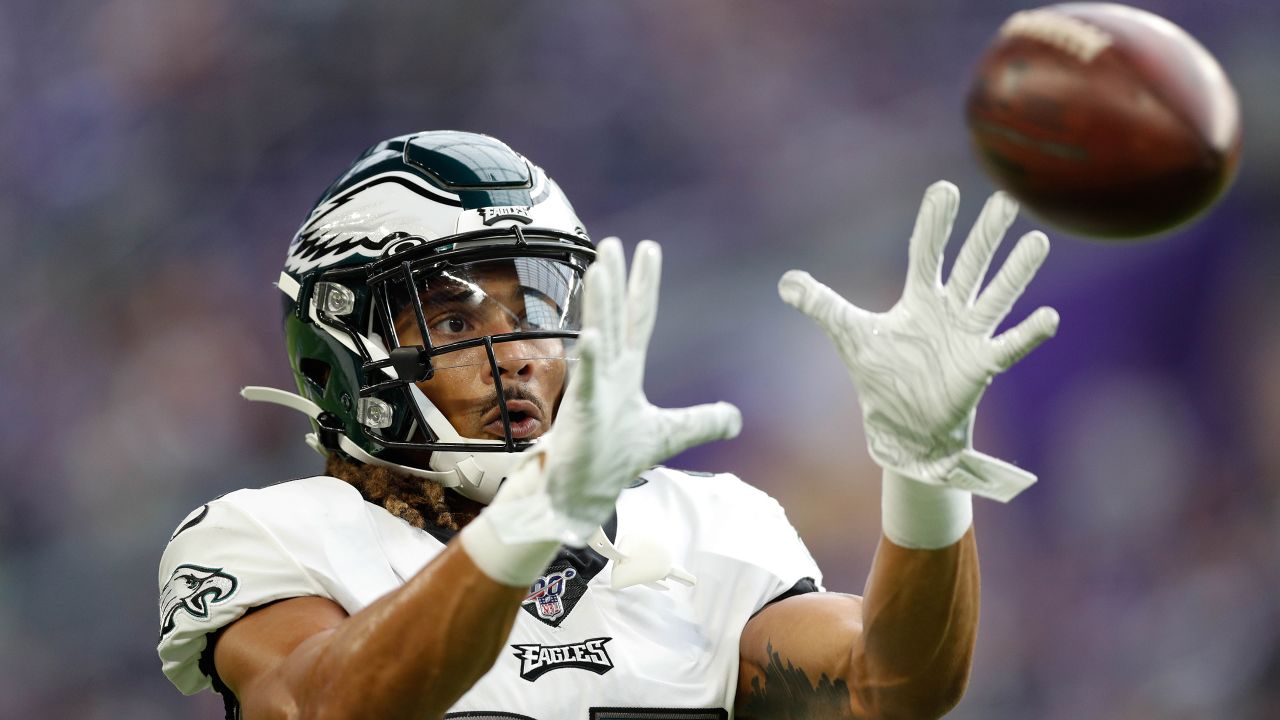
column 494, row 535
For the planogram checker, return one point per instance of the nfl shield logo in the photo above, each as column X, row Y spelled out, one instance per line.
column 547, row 593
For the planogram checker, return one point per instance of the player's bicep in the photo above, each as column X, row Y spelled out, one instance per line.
column 264, row 658
column 796, row 655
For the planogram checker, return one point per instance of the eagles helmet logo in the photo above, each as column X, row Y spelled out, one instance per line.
column 367, row 218
column 192, row 589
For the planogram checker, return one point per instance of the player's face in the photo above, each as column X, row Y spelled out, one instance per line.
column 488, row 301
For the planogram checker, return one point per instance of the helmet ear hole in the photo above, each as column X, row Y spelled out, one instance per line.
column 316, row 372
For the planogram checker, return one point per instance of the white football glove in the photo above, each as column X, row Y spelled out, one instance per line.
column 921, row 367
column 606, row 431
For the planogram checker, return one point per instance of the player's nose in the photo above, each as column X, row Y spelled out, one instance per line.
column 515, row 360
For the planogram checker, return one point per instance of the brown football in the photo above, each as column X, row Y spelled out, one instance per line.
column 1104, row 119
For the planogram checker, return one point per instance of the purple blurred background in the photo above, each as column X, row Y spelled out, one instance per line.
column 156, row 157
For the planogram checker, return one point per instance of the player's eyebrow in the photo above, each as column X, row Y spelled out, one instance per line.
column 449, row 294
column 433, row 297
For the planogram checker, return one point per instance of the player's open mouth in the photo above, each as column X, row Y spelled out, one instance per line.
column 525, row 416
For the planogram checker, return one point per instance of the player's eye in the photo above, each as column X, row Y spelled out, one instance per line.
column 450, row 325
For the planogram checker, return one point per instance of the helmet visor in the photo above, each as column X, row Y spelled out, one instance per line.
column 451, row 307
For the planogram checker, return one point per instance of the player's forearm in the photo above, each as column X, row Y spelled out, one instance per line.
column 415, row 651
column 920, row 621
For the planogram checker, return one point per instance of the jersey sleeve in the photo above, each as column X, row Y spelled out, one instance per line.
column 735, row 521
column 766, row 539
column 219, row 564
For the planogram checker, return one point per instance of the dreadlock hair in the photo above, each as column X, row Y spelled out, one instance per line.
column 417, row 501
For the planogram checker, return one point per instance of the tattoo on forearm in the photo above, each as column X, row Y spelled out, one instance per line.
column 787, row 694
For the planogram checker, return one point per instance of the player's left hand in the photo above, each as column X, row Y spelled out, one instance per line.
column 606, row 431
column 921, row 367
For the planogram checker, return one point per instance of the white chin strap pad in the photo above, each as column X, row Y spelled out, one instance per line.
column 475, row 475
column 479, row 474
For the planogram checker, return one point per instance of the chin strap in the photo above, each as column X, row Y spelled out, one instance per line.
column 256, row 393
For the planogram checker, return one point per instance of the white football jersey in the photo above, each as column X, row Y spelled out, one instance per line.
column 579, row 648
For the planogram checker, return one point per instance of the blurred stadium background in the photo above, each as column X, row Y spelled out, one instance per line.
column 155, row 158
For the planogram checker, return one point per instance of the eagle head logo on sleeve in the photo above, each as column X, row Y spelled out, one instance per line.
column 192, row 589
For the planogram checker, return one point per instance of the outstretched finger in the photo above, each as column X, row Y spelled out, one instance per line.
column 825, row 306
column 582, row 383
column 1012, row 345
column 683, row 428
column 929, row 237
column 642, row 293
column 975, row 257
column 593, row 306
column 998, row 298
column 604, row 301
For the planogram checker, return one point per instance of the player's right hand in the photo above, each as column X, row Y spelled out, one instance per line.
column 606, row 431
